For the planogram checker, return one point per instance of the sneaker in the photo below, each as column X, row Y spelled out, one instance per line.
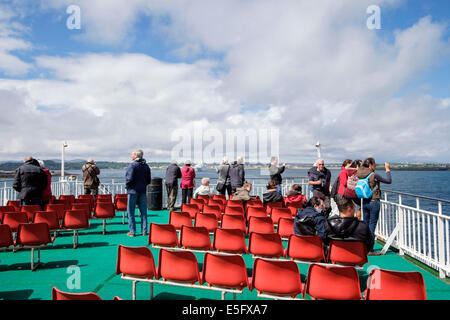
column 130, row 234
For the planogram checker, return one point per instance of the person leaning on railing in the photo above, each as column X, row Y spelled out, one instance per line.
column 371, row 206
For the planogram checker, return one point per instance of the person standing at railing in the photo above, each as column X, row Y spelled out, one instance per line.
column 187, row 182
column 320, row 178
column 30, row 181
column 275, row 172
column 371, row 206
column 47, row 193
column 138, row 177
column 237, row 174
column 224, row 183
column 90, row 177
column 173, row 173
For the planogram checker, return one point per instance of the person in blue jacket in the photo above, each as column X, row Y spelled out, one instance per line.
column 138, row 176
column 313, row 208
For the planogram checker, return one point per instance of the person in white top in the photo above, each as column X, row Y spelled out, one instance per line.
column 204, row 189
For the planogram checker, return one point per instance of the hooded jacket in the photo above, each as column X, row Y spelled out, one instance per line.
column 30, row 180
column 138, row 176
column 294, row 197
column 173, row 173
column 187, row 177
column 343, row 178
column 272, row 196
column 351, row 229
column 236, row 175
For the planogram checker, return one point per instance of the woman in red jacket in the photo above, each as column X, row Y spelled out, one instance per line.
column 347, row 183
column 187, row 182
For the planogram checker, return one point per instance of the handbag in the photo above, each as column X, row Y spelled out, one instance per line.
column 306, row 225
column 220, row 186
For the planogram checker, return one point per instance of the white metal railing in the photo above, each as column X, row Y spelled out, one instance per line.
column 420, row 232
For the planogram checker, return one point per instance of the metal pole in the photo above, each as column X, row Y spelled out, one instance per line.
column 62, row 161
column 441, row 239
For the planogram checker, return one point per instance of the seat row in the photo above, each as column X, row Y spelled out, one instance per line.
column 61, row 295
column 278, row 279
column 264, row 224
column 302, row 249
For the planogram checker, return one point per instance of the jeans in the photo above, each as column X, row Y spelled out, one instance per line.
column 371, row 213
column 186, row 194
column 141, row 200
column 279, row 189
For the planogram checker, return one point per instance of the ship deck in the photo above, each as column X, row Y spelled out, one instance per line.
column 96, row 258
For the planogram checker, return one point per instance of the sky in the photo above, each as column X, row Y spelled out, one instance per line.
column 175, row 77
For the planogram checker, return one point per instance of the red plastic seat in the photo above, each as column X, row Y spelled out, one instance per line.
column 30, row 210
column 121, row 204
column 230, row 241
column 276, row 278
column 58, row 208
column 256, row 212
column 48, row 217
column 271, row 205
column 285, row 227
column 332, row 283
column 178, row 219
column 116, row 298
column 192, row 209
column 136, row 263
column 75, row 220
column 14, row 219
column 89, row 202
column 104, row 210
column 199, row 202
column 68, row 197
column 196, row 238
column 254, row 203
column 225, row 272
column 66, row 203
column 178, row 266
column 204, row 197
column 7, row 209
column 305, row 248
column 218, row 203
column 6, row 237
column 221, row 198
column 207, row 220
column 212, row 210
column 260, row 225
column 235, row 203
column 233, row 222
column 278, row 213
column 266, row 245
column 395, row 285
column 237, row 211
column 293, row 207
column 163, row 235
column 86, row 207
column 120, row 195
column 60, row 295
column 104, row 197
column 351, row 253
column 34, row 236
column 15, row 204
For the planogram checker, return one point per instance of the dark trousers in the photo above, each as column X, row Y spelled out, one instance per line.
column 228, row 190
column 172, row 196
column 186, row 195
column 30, row 201
column 91, row 190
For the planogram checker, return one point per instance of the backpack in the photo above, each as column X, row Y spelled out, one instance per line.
column 349, row 191
column 306, row 225
column 363, row 189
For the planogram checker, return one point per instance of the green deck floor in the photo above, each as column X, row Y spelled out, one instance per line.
column 96, row 258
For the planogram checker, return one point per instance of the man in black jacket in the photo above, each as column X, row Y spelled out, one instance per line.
column 347, row 227
column 237, row 175
column 30, row 181
column 173, row 172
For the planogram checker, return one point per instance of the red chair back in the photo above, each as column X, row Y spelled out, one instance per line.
column 218, row 203
column 235, row 203
column 212, row 210
column 276, row 277
column 121, row 204
column 271, row 205
column 75, row 220
column 104, row 197
column 135, row 261
column 6, row 237
column 256, row 212
column 180, row 266
column 237, row 211
column 332, row 283
column 104, row 210
column 285, row 227
column 352, row 253
column 15, row 204
column 278, row 213
column 33, row 234
column 196, row 238
column 192, row 209
column 207, row 220
column 204, row 197
column 60, row 295
column 48, row 217
column 86, row 207
column 30, row 210
column 227, row 271
column 69, row 197
column 233, row 222
column 164, row 235
column 395, row 285
column 266, row 245
column 305, row 248
column 260, row 224
column 178, row 219
column 230, row 241
column 14, row 219
column 199, row 202
column 66, row 203
column 58, row 208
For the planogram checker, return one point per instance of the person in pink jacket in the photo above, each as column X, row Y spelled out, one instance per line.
column 187, row 182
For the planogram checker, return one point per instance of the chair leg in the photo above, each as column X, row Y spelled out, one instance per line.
column 123, row 217
column 104, row 226
column 134, row 290
column 34, row 266
column 223, row 295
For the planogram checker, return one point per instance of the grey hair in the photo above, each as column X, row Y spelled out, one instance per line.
column 41, row 163
column 138, row 153
column 274, row 159
column 240, row 160
column 205, row 180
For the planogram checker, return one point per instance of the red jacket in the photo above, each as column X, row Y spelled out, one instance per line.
column 187, row 177
column 297, row 199
column 47, row 193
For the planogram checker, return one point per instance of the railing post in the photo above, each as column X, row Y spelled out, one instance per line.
column 441, row 241
column 401, row 224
